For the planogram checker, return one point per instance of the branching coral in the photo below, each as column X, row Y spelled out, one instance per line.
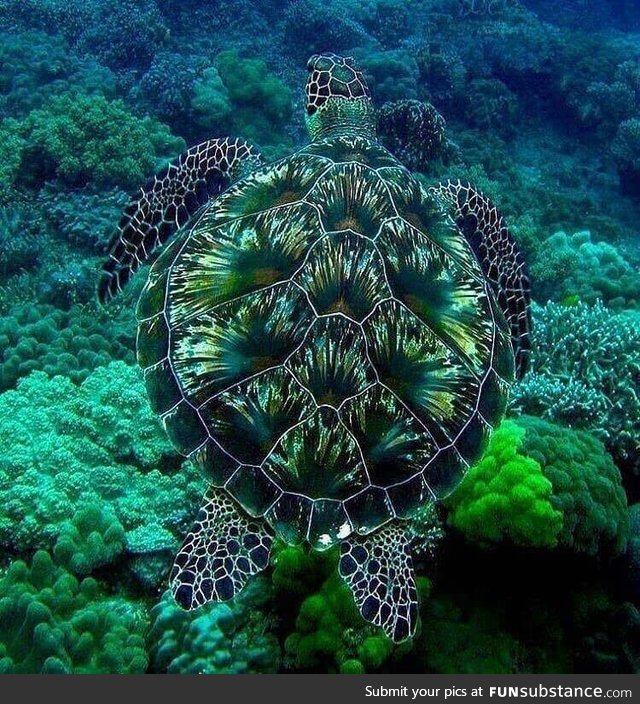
column 167, row 88
column 491, row 105
column 242, row 97
column 331, row 636
column 20, row 241
column 124, row 35
column 211, row 102
column 585, row 373
column 310, row 26
column 84, row 218
column 82, row 138
column 35, row 66
column 390, row 21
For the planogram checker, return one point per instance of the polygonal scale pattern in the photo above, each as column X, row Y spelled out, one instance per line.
column 327, row 344
column 352, row 197
column 345, row 275
column 332, row 363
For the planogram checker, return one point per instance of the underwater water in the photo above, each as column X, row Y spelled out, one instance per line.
column 531, row 560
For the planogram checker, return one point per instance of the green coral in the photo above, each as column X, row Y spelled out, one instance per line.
column 505, row 496
column 587, row 487
column 69, row 447
column 542, row 485
column 53, row 623
column 92, row 538
column 219, row 638
column 81, row 138
column 329, row 633
column 211, row 102
column 331, row 636
column 241, row 96
column 72, row 342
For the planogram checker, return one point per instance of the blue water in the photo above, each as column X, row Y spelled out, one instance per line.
column 534, row 564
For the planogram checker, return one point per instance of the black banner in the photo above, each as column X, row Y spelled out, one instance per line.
column 309, row 689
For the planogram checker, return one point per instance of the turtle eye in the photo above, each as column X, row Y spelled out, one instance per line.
column 311, row 109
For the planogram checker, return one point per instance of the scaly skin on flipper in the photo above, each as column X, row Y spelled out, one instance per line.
column 167, row 202
column 379, row 572
column 500, row 257
column 222, row 550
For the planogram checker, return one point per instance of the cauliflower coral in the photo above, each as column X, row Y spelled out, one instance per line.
column 68, row 447
column 541, row 485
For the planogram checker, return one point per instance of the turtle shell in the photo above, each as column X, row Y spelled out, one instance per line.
column 323, row 337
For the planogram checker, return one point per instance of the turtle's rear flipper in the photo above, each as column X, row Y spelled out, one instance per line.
column 166, row 203
column 379, row 572
column 500, row 258
column 223, row 549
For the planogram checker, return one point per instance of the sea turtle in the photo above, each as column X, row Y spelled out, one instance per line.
column 329, row 338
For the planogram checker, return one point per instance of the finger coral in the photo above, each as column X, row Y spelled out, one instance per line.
column 54, row 623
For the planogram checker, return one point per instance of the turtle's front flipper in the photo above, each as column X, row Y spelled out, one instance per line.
column 379, row 571
column 166, row 203
column 223, row 549
column 499, row 256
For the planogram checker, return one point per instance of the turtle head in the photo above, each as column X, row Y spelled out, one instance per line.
column 338, row 99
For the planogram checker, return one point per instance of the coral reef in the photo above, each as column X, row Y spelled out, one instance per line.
column 576, row 266
column 329, row 634
column 506, row 496
column 82, row 138
column 535, row 102
column 71, row 342
column 95, row 445
column 626, row 151
column 225, row 638
column 584, row 374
